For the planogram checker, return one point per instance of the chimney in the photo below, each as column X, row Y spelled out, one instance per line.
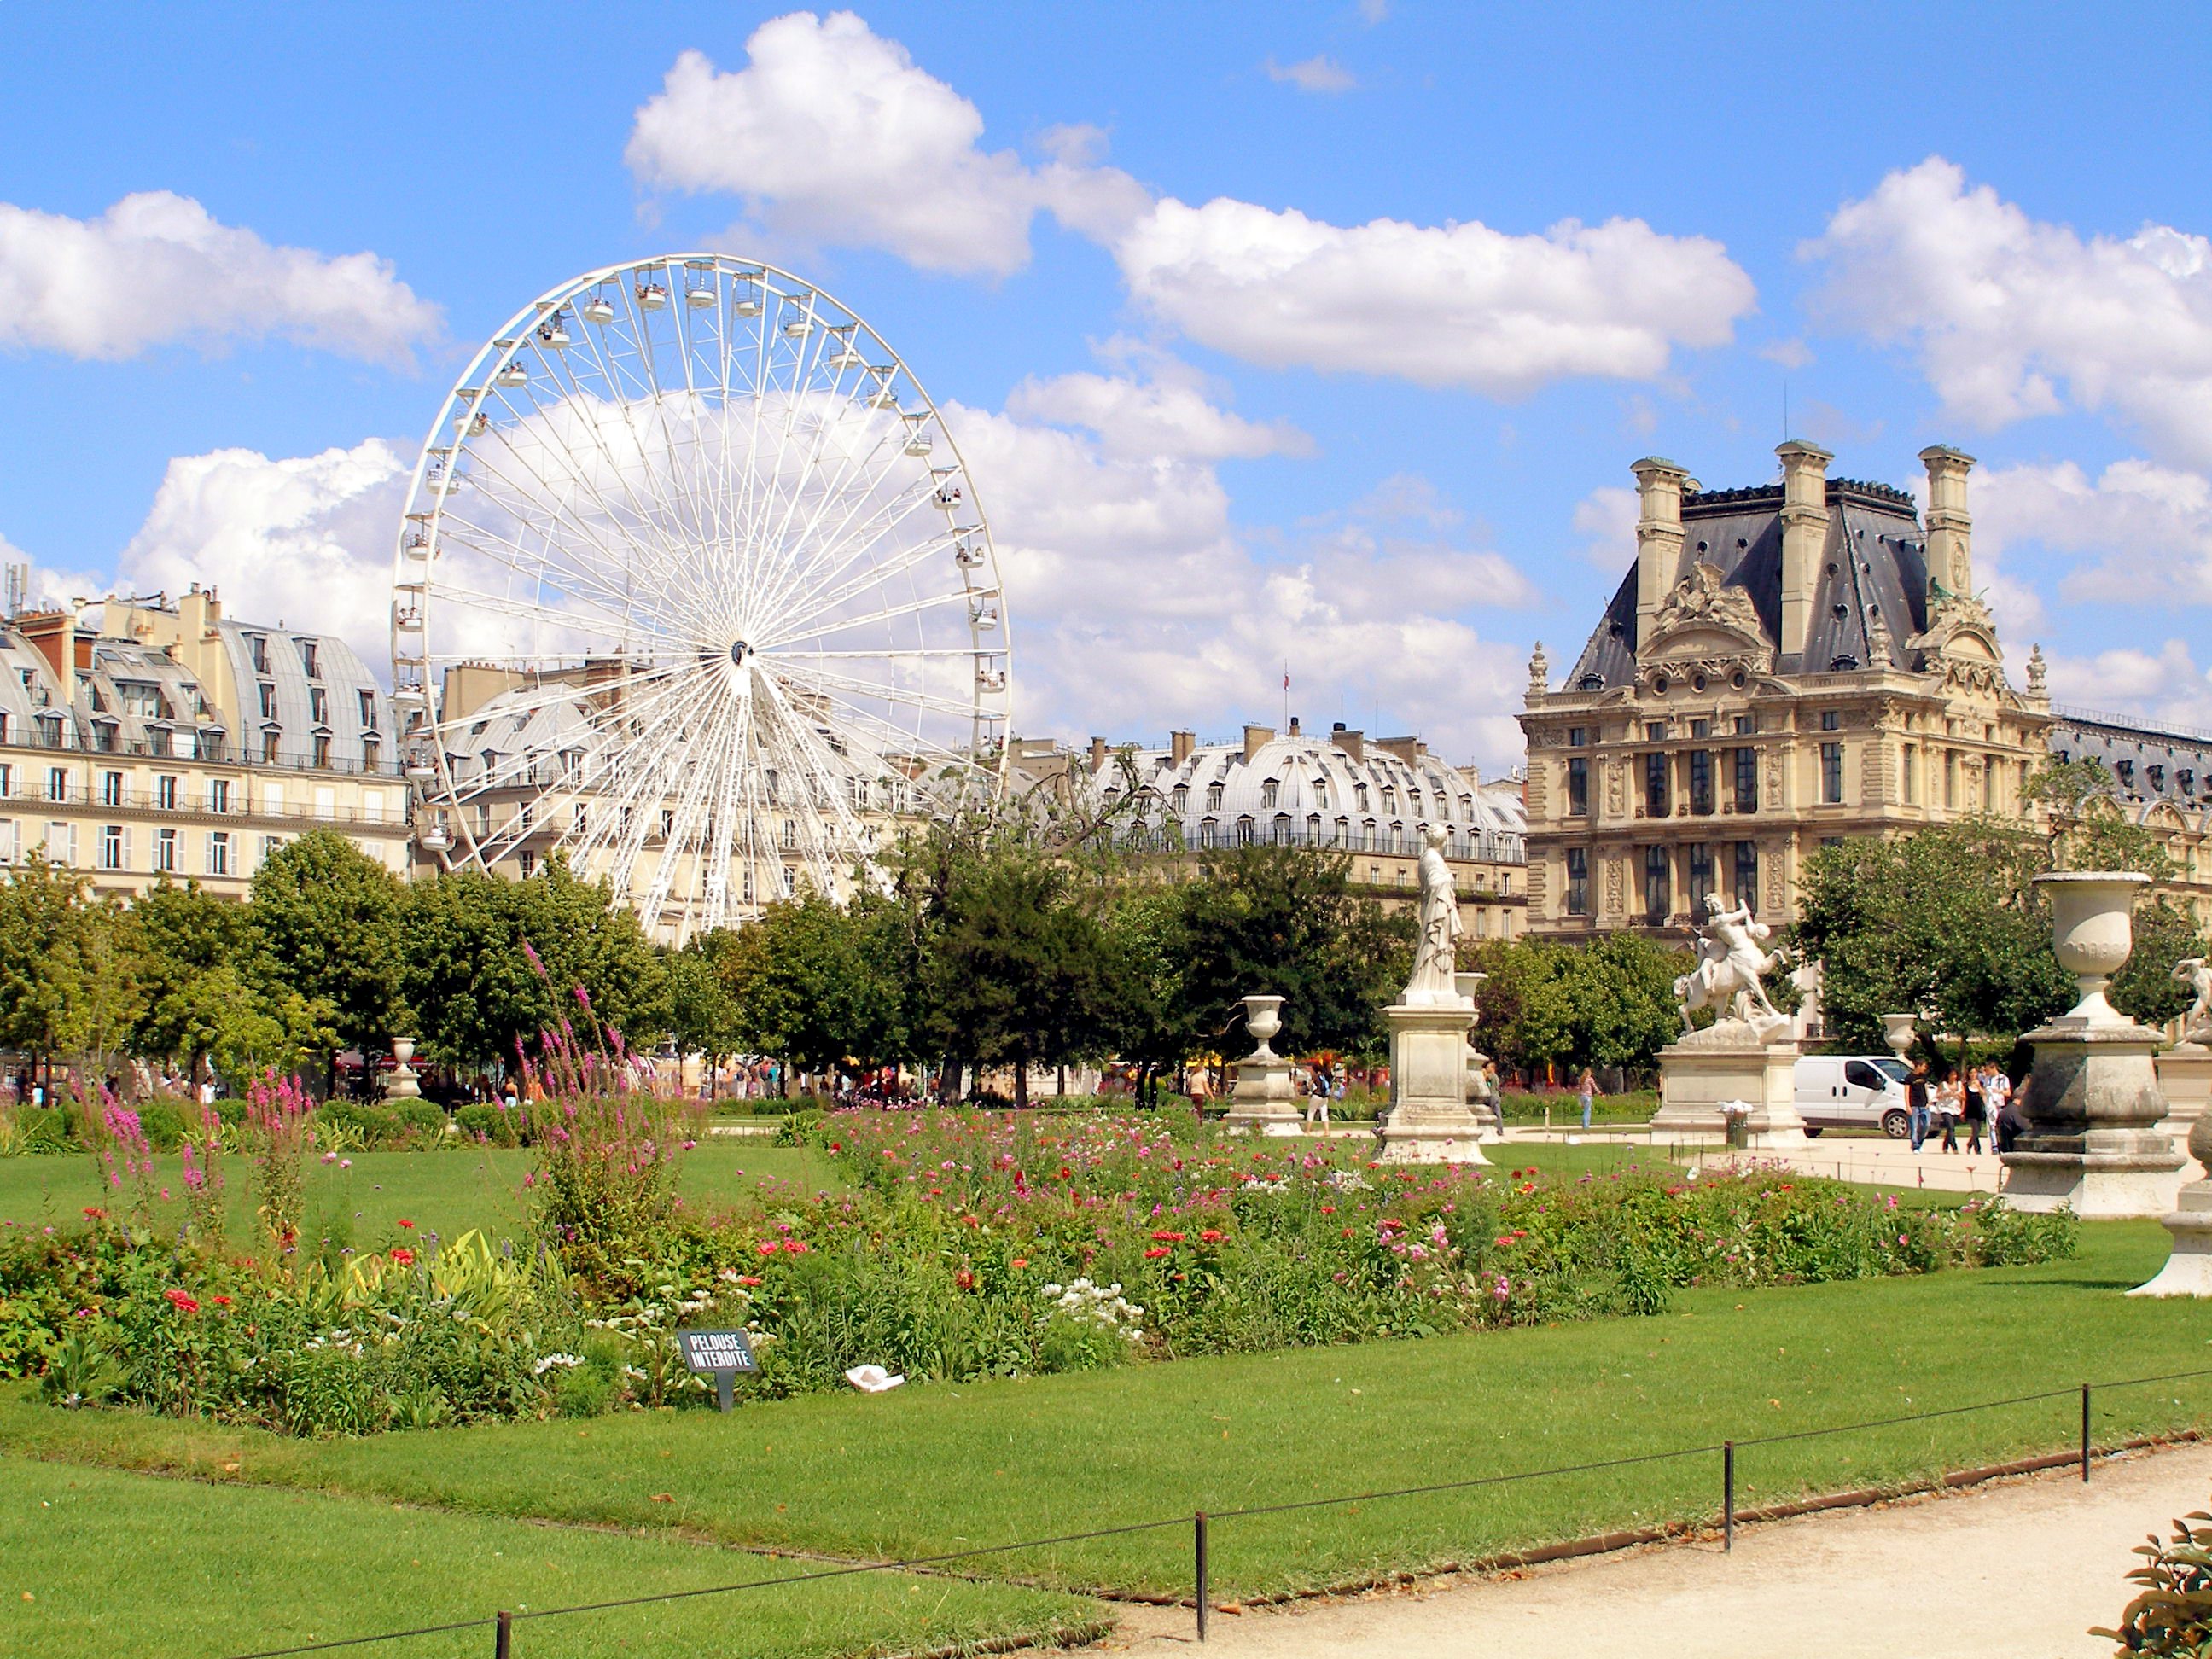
column 1180, row 746
column 1353, row 744
column 1804, row 538
column 1406, row 749
column 1098, row 753
column 1257, row 738
column 1659, row 487
column 52, row 634
column 1294, row 725
column 1950, row 526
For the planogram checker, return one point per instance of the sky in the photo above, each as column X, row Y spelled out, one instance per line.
column 1314, row 340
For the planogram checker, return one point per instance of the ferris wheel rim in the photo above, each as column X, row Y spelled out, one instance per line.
column 471, row 391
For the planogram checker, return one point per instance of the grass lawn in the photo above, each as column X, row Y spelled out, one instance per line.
column 924, row 1469
column 445, row 1191
column 95, row 1563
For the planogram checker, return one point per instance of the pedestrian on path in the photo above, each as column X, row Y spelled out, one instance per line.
column 1915, row 1103
column 1317, row 1097
column 1977, row 1108
column 1586, row 1086
column 1948, row 1107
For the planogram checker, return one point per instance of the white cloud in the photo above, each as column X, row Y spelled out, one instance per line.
column 1456, row 305
column 157, row 268
column 50, row 589
column 833, row 135
column 1320, row 73
column 1792, row 353
column 2012, row 317
column 306, row 541
column 1372, row 12
column 1137, row 606
column 1606, row 518
column 1166, row 417
column 2136, row 533
column 2166, row 687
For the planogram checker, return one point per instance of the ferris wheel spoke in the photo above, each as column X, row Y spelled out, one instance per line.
column 845, row 686
column 841, row 493
column 887, row 613
column 838, row 578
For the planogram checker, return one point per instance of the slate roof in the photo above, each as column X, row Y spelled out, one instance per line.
column 1739, row 531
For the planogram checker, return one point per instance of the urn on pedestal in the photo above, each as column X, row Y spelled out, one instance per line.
column 2092, row 1101
column 401, row 1082
column 1261, row 1103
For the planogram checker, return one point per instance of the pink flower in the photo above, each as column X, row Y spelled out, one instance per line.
column 181, row 1302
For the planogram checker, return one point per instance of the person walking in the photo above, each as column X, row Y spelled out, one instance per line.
column 1586, row 1088
column 1948, row 1107
column 1915, row 1103
column 1317, row 1096
column 1977, row 1108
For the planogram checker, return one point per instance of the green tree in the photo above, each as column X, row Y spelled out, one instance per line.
column 68, row 980
column 1549, row 1005
column 1283, row 921
column 327, row 918
column 1151, row 1019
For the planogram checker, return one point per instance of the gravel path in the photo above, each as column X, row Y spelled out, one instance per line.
column 2021, row 1569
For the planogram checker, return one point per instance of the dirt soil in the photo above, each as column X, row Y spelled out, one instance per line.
column 2020, row 1568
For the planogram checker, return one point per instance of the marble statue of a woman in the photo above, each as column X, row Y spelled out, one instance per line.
column 1435, row 955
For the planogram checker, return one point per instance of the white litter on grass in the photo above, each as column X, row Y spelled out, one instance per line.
column 873, row 1379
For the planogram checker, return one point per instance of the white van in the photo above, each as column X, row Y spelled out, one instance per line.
column 1853, row 1092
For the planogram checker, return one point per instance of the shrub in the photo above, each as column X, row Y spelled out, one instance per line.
column 493, row 1122
column 2172, row 1616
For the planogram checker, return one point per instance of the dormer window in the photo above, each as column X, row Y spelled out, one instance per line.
column 1360, row 791
column 1389, row 798
column 308, row 659
column 2157, row 775
column 1181, row 799
column 259, row 645
column 1213, row 798
column 268, row 700
column 2126, row 771
column 1320, row 793
column 1268, row 791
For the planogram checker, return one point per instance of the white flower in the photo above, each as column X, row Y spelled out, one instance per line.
column 548, row 1361
column 873, row 1379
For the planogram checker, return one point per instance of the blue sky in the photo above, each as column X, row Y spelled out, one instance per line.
column 1221, row 417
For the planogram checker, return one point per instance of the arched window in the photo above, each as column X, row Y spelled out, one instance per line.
column 1244, row 831
column 1343, row 833
column 1320, row 793
column 1367, row 840
column 1209, row 833
column 1313, row 829
column 1181, row 799
column 1397, row 837
column 1268, row 792
column 1213, row 798
column 1282, row 829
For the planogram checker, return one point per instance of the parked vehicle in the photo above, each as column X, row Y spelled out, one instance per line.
column 1853, row 1092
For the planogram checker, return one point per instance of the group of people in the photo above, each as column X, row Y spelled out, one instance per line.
column 1979, row 1097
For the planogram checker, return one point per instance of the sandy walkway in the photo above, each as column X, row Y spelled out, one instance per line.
column 2022, row 1569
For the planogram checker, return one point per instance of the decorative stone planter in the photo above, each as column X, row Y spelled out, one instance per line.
column 2187, row 1270
column 2092, row 1102
column 401, row 1082
column 1262, row 1102
column 1897, row 1032
column 1480, row 1100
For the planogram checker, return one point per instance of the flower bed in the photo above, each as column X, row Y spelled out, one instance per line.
column 973, row 1244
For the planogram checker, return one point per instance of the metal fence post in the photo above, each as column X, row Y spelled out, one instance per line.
column 2085, row 1432
column 502, row 1637
column 1727, row 1494
column 1198, row 1546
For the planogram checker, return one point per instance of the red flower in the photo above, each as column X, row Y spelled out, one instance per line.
column 747, row 1279
column 1212, row 1236
column 93, row 1212
column 403, row 1255
column 1019, row 1262
column 794, row 1246
column 1156, row 1250
column 1067, row 1174
column 834, row 1147
column 1169, row 1238
column 404, row 1222
column 963, row 1280
column 220, row 1301
column 181, row 1302
column 1328, row 1209
column 766, row 1247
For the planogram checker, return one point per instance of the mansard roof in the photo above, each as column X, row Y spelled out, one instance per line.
column 1874, row 564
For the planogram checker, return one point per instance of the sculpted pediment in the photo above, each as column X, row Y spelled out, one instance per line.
column 1704, row 617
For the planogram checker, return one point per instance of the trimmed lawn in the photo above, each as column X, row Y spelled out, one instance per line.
column 445, row 1192
column 95, row 1563
column 925, row 1469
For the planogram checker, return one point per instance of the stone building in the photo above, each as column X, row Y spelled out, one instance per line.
column 1785, row 666
column 171, row 740
column 1367, row 797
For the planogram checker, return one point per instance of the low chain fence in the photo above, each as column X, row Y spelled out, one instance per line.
column 1203, row 1524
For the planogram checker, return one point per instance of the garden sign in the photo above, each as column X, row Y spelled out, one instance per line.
column 723, row 1353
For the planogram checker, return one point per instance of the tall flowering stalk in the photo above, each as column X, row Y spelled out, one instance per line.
column 605, row 1182
column 201, row 1151
column 124, row 1156
column 276, row 1109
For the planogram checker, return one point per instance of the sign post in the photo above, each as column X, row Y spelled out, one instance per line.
column 723, row 1353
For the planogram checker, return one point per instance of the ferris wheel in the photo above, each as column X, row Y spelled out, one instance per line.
column 693, row 587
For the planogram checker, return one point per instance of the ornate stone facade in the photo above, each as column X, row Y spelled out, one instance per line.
column 1779, row 670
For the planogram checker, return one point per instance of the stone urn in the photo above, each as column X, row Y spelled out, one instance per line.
column 1467, row 985
column 1263, row 1018
column 1897, row 1032
column 2093, row 931
column 401, row 1082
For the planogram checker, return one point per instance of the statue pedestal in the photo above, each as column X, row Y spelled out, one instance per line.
column 2185, row 1078
column 1429, row 1121
column 1730, row 1061
column 2092, row 1107
column 2187, row 1270
column 1263, row 1102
